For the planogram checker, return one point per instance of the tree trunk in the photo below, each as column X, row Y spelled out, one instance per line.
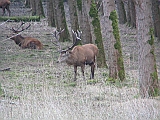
column 50, row 13
column 121, row 12
column 115, row 59
column 132, row 13
column 156, row 18
column 148, row 78
column 39, row 8
column 60, row 20
column 101, row 62
column 27, row 3
column 83, row 20
column 73, row 17
column 33, row 6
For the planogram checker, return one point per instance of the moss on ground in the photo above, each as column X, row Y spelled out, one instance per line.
column 20, row 18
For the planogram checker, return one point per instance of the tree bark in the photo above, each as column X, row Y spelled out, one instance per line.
column 27, row 3
column 60, row 20
column 73, row 17
column 132, row 13
column 50, row 13
column 121, row 12
column 83, row 20
column 39, row 8
column 101, row 60
column 148, row 78
column 33, row 6
column 111, row 31
column 156, row 18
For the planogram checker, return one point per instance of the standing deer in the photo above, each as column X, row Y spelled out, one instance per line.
column 25, row 42
column 79, row 56
column 4, row 4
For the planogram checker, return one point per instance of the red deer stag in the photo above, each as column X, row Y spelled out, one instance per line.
column 79, row 56
column 25, row 42
column 4, row 4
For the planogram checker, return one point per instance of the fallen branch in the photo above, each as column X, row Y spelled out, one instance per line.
column 6, row 69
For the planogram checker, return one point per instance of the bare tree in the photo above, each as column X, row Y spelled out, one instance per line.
column 101, row 61
column 73, row 17
column 37, row 8
column 33, row 7
column 156, row 18
column 148, row 78
column 50, row 13
column 111, row 31
column 130, row 12
column 27, row 3
column 83, row 20
column 121, row 12
column 60, row 19
column 131, row 16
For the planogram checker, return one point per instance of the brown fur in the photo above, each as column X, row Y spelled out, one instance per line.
column 27, row 42
column 81, row 56
column 4, row 4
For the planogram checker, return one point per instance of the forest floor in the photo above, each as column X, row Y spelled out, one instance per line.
column 37, row 88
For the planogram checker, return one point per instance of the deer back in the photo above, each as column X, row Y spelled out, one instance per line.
column 79, row 55
column 92, row 47
column 4, row 3
column 33, row 43
column 90, row 52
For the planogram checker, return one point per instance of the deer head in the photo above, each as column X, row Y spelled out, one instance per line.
column 64, row 54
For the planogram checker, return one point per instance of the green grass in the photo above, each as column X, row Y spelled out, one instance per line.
column 71, row 84
column 42, row 88
column 92, row 81
column 1, row 90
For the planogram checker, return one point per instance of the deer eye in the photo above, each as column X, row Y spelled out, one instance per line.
column 63, row 52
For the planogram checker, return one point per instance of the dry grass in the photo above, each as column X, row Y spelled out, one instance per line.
column 37, row 88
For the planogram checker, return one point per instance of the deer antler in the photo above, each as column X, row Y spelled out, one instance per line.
column 17, row 31
column 56, row 34
column 79, row 34
column 77, row 38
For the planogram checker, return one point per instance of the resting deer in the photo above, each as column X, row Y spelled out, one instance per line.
column 25, row 42
column 4, row 4
column 79, row 56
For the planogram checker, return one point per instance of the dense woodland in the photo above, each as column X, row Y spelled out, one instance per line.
column 103, row 16
column 100, row 22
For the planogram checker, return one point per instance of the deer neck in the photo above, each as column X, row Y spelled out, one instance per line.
column 71, row 60
column 18, row 39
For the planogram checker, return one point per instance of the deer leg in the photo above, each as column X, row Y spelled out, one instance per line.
column 7, row 7
column 82, row 69
column 75, row 73
column 3, row 8
column 32, row 45
column 92, row 71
